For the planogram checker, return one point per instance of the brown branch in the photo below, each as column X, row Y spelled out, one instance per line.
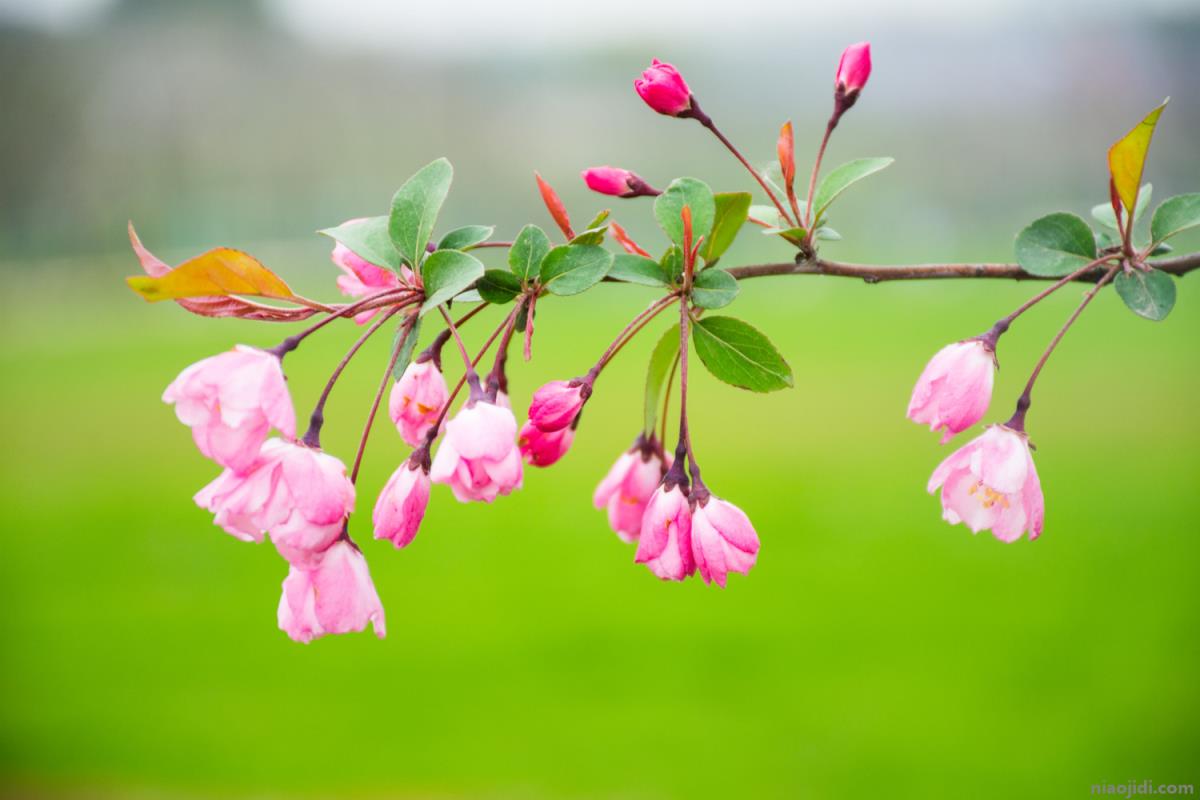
column 1180, row 265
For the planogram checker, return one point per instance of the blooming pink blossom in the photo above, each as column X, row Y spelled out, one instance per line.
column 665, row 542
column 231, row 401
column 616, row 182
column 478, row 458
column 542, row 448
column 723, row 540
column 955, row 388
column 854, row 68
column 627, row 488
column 332, row 595
column 664, row 89
column 360, row 277
column 556, row 404
column 991, row 482
column 417, row 400
column 401, row 505
column 299, row 495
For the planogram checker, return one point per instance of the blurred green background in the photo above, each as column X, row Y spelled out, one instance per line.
column 873, row 652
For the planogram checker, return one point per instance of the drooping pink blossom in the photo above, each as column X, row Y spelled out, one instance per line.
column 617, row 182
column 417, row 399
column 853, row 69
column 401, row 505
column 334, row 594
column 991, row 483
column 723, row 540
column 664, row 89
column 627, row 488
column 231, row 401
column 556, row 404
column 360, row 277
column 955, row 388
column 542, row 448
column 297, row 494
column 478, row 458
column 665, row 542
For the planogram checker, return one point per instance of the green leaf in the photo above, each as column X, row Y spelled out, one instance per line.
column 527, row 251
column 574, row 268
column 842, row 178
column 1148, row 294
column 827, row 234
column 1055, row 245
column 599, row 219
column 406, row 347
column 591, row 236
column 661, row 360
column 369, row 240
column 738, row 354
column 445, row 274
column 637, row 269
column 730, row 216
column 1176, row 214
column 793, row 235
column 415, row 208
column 714, row 288
column 692, row 193
column 767, row 214
column 466, row 237
column 498, row 286
column 672, row 263
column 1127, row 158
column 1103, row 213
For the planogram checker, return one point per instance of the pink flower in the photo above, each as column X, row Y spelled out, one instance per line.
column 665, row 543
column 300, row 496
column 627, row 488
column 991, row 482
column 333, row 595
column 955, row 388
column 478, row 459
column 401, row 505
column 231, row 401
column 417, row 400
column 361, row 277
column 723, row 540
column 556, row 404
column 664, row 89
column 854, row 69
column 541, row 448
column 617, row 182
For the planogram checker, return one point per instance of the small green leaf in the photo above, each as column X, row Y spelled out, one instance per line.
column 714, row 288
column 1176, row 214
column 598, row 220
column 767, row 214
column 527, row 251
column 689, row 192
column 672, row 263
column 842, row 178
column 498, row 286
column 445, row 274
column 406, row 347
column 735, row 352
column 793, row 235
column 1055, row 245
column 827, row 234
column 661, row 360
column 730, row 216
column 574, row 268
column 1103, row 213
column 637, row 269
column 469, row 296
column 591, row 236
column 466, row 237
column 1148, row 294
column 368, row 239
column 415, row 208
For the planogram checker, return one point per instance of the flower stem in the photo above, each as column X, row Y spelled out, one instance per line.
column 1054, row 287
column 405, row 330
column 706, row 121
column 292, row 342
column 812, row 180
column 629, row 331
column 462, row 348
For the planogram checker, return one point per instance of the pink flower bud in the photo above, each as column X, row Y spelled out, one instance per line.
column 542, row 448
column 665, row 543
column 417, row 400
column 401, row 505
column 853, row 69
column 231, row 401
column 991, row 482
column 617, row 182
column 723, row 540
column 664, row 89
column 361, row 277
column 627, row 488
column 556, row 404
column 955, row 388
column 478, row 459
column 300, row 496
column 333, row 595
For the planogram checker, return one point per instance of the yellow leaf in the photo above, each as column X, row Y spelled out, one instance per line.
column 1127, row 158
column 222, row 271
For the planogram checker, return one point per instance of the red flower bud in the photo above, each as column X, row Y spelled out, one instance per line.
column 617, row 182
column 664, row 89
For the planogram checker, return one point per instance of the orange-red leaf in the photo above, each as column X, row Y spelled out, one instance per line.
column 786, row 146
column 555, row 206
column 1127, row 158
